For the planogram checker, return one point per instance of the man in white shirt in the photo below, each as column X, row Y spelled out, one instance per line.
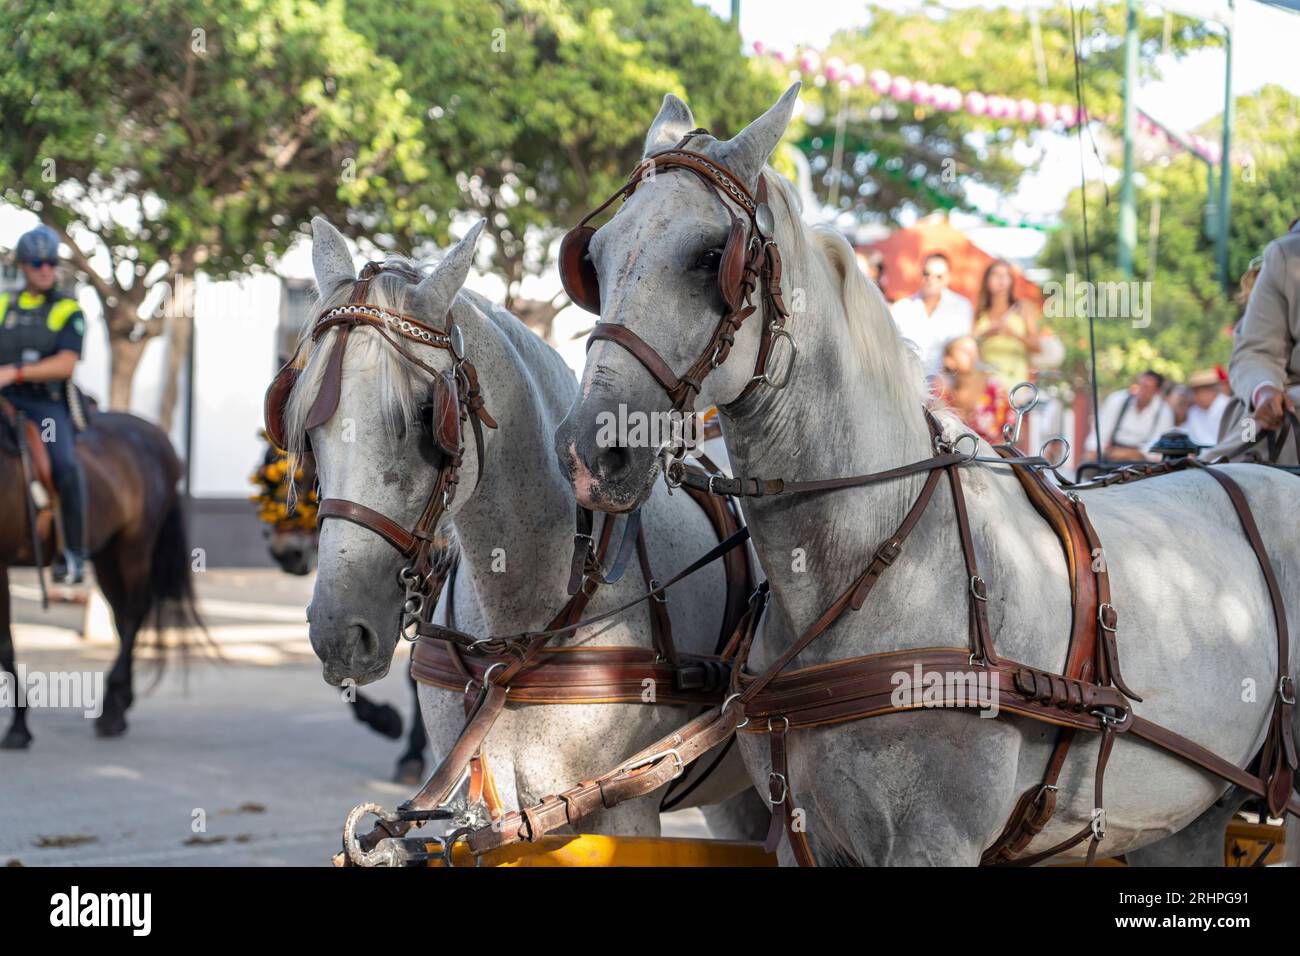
column 1133, row 419
column 1208, row 404
column 935, row 315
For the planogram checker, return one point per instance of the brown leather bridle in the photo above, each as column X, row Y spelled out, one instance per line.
column 455, row 397
column 750, row 260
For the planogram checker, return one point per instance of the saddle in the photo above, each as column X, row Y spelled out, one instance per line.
column 38, row 456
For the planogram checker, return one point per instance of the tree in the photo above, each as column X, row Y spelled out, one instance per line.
column 900, row 156
column 174, row 135
column 536, row 110
column 1191, row 316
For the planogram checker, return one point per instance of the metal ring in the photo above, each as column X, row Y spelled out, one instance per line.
column 1065, row 455
column 1033, row 400
column 1101, row 619
column 674, row 468
column 783, row 729
column 660, row 597
column 385, row 853
column 450, row 841
column 487, row 675
column 974, row 446
column 975, row 593
column 410, row 630
column 413, row 605
column 779, row 333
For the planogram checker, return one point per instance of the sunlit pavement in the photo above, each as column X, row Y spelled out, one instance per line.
column 257, row 742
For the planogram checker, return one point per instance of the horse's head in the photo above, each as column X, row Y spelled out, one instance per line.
column 375, row 405
column 667, row 275
column 293, row 549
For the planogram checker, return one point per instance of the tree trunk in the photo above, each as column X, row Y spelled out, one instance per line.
column 178, row 346
column 125, row 356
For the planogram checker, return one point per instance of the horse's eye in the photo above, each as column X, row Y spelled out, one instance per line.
column 710, row 260
column 425, row 416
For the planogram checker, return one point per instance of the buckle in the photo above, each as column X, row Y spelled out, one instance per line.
column 654, row 758
column 980, row 593
column 1281, row 689
column 1098, row 823
column 1103, row 618
column 890, row 550
column 785, row 788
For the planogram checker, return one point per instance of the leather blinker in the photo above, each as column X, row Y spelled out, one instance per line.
column 274, row 403
column 445, row 415
column 577, row 274
column 732, row 268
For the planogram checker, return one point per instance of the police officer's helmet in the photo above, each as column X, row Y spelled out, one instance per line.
column 39, row 245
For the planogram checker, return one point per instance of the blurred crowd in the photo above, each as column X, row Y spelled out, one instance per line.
column 974, row 354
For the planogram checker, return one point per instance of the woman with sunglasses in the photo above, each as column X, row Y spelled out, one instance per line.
column 41, row 330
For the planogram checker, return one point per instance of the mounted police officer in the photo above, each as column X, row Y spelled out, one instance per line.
column 40, row 342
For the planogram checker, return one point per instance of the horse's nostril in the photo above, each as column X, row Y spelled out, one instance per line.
column 365, row 642
column 611, row 462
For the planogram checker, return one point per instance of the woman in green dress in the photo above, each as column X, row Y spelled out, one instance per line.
column 1006, row 328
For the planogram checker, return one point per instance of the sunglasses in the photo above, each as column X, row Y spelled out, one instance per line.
column 41, row 263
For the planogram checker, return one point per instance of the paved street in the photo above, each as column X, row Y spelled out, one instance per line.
column 259, row 743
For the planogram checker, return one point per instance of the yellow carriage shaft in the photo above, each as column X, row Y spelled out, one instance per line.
column 593, row 850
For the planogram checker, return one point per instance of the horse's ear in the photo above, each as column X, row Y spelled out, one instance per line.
column 748, row 150
column 436, row 290
column 673, row 122
column 330, row 257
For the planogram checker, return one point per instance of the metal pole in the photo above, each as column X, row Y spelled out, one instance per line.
column 189, row 403
column 1225, row 171
column 735, row 13
column 1128, row 192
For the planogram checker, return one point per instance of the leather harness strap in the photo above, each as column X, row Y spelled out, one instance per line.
column 826, row 694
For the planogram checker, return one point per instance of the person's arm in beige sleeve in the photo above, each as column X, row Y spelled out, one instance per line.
column 1258, row 367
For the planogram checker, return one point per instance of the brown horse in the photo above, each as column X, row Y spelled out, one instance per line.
column 135, row 533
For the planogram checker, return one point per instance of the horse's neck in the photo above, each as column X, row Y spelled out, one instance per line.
column 516, row 531
column 832, row 420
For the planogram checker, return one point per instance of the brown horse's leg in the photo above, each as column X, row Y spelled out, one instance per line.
column 410, row 765
column 122, row 571
column 18, row 736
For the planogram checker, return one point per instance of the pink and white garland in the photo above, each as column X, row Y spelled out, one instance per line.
column 948, row 99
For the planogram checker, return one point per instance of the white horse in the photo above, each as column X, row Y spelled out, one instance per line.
column 514, row 531
column 1196, row 635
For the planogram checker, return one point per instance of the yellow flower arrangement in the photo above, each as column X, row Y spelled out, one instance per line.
column 272, row 484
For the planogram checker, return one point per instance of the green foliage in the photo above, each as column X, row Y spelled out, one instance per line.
column 192, row 134
column 532, row 111
column 1192, row 316
column 926, row 158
